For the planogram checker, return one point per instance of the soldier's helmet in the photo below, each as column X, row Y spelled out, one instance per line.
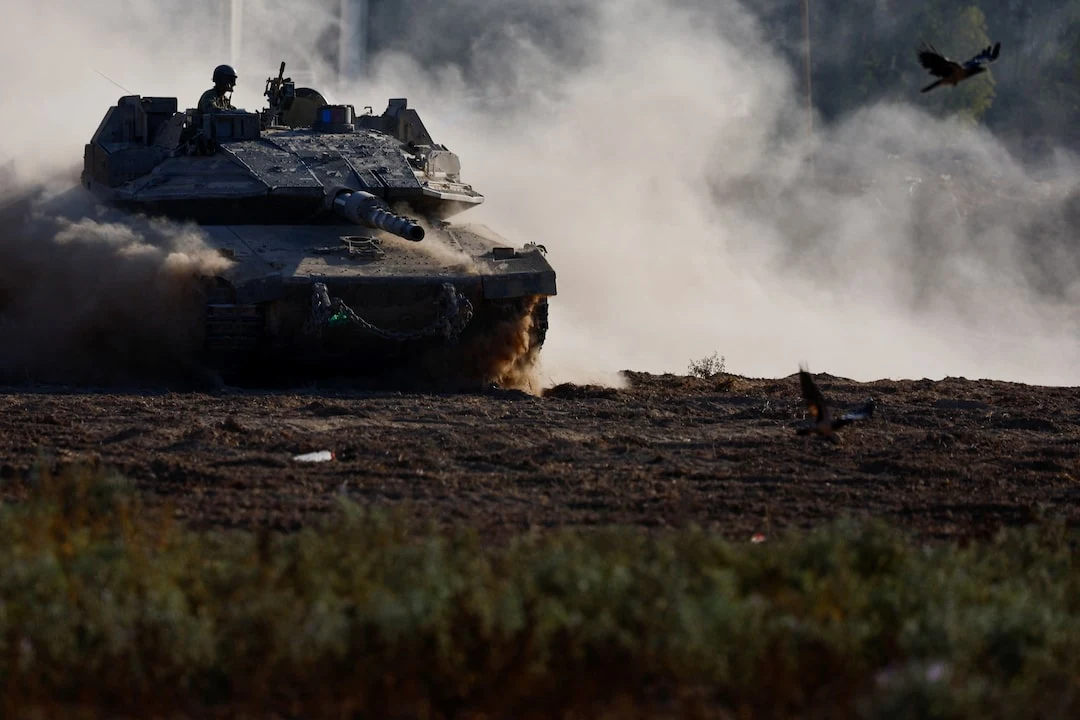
column 224, row 73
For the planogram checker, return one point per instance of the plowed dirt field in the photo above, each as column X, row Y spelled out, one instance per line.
column 951, row 458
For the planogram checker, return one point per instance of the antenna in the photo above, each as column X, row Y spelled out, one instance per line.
column 112, row 81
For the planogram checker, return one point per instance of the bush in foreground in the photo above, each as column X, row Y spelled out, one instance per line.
column 108, row 609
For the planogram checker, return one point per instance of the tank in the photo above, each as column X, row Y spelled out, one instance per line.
column 342, row 255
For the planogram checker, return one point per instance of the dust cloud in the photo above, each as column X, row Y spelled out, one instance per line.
column 686, row 210
column 666, row 165
column 86, row 299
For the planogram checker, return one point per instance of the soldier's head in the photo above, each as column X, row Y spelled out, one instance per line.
column 224, row 78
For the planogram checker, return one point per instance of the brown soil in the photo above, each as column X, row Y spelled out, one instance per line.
column 954, row 458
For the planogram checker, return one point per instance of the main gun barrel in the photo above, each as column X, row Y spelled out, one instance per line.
column 363, row 208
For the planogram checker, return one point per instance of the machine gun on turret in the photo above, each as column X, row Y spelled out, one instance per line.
column 280, row 93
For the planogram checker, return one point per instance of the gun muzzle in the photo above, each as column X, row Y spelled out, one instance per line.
column 363, row 208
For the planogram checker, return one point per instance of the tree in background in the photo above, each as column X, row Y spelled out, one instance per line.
column 963, row 32
column 1038, row 93
column 863, row 51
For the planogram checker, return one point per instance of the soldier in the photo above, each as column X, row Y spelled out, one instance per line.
column 214, row 99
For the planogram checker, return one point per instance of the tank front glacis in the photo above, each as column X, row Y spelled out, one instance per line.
column 337, row 228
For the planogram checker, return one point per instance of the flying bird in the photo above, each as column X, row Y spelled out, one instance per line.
column 951, row 72
column 824, row 420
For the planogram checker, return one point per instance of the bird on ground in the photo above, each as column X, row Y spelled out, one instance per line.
column 951, row 72
column 824, row 419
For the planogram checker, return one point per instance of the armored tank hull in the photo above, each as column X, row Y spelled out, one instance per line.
column 341, row 255
column 457, row 310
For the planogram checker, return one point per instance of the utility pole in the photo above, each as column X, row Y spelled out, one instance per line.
column 236, row 28
column 352, row 39
column 806, row 64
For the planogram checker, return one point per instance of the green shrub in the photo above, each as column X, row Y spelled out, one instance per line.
column 109, row 608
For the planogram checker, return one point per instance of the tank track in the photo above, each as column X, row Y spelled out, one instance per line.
column 233, row 328
column 232, row 337
column 236, row 349
column 540, row 323
column 490, row 352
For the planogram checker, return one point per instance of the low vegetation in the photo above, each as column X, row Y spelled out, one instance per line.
column 707, row 367
column 108, row 609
